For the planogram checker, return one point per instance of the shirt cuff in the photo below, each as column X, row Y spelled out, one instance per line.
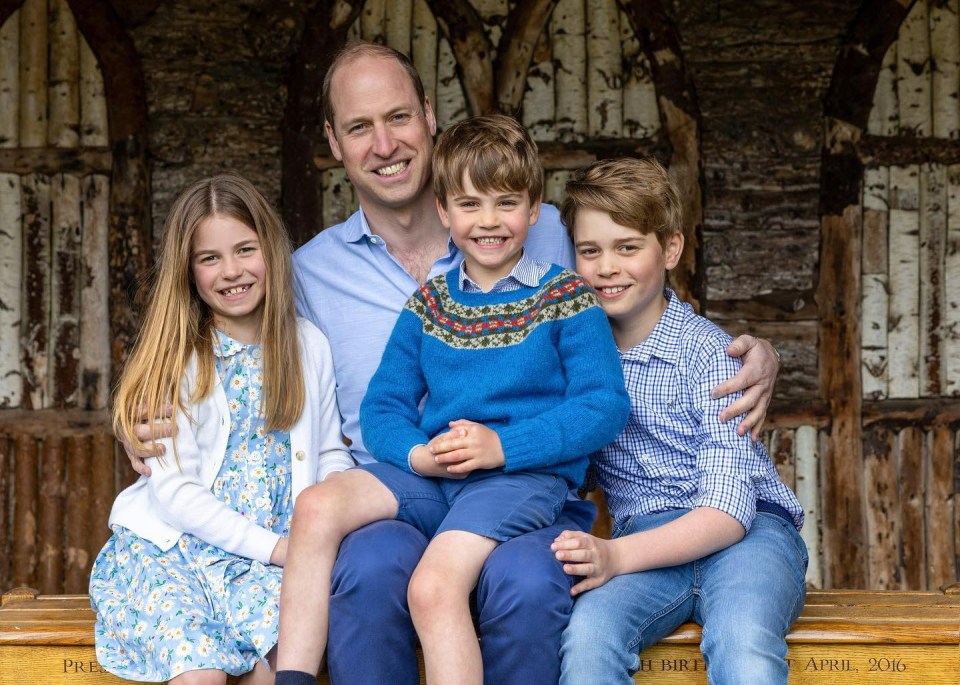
column 730, row 495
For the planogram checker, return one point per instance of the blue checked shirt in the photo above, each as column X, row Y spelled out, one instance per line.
column 674, row 453
column 526, row 273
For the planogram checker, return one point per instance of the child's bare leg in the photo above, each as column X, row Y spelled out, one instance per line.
column 203, row 676
column 439, row 599
column 325, row 513
column 260, row 675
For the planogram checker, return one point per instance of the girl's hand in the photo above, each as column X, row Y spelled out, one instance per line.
column 466, row 447
column 279, row 555
column 584, row 555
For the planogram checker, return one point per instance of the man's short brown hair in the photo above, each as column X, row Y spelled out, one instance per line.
column 636, row 193
column 354, row 50
column 495, row 150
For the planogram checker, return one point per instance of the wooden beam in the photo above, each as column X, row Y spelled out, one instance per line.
column 525, row 26
column 838, row 298
column 904, row 150
column 303, row 118
column 464, row 29
column 850, row 95
column 51, row 160
column 680, row 119
column 130, row 226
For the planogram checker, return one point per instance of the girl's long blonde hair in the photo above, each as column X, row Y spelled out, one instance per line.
column 178, row 324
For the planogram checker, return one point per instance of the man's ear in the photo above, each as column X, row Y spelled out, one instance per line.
column 332, row 139
column 431, row 117
column 673, row 249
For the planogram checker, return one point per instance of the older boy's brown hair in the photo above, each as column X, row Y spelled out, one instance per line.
column 495, row 150
column 636, row 193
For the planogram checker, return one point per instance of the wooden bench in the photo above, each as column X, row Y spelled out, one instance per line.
column 901, row 638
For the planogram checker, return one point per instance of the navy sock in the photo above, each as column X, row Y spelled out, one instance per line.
column 294, row 678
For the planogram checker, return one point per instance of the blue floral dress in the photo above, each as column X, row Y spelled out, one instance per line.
column 196, row 606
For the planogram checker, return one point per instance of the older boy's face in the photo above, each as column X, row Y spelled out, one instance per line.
column 627, row 268
column 381, row 133
column 489, row 227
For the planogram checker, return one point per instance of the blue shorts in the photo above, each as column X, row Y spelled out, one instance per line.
column 493, row 504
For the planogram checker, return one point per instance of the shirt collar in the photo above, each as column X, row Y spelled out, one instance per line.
column 662, row 341
column 357, row 229
column 226, row 346
column 524, row 272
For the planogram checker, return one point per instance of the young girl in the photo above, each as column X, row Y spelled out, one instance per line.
column 187, row 589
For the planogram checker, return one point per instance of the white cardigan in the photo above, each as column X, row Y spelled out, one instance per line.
column 174, row 501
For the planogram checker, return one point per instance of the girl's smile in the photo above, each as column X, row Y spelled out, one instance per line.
column 230, row 275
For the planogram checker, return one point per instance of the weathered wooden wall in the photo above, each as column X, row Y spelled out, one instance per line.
column 745, row 99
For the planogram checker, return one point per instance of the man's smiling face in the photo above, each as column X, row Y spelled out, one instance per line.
column 381, row 132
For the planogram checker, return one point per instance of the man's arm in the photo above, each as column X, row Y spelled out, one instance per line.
column 756, row 379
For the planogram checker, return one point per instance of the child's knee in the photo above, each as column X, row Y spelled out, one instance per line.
column 432, row 590
column 319, row 509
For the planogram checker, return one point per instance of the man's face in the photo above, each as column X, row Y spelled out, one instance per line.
column 381, row 133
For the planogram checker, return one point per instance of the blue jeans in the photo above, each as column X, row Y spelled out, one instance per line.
column 746, row 597
column 522, row 597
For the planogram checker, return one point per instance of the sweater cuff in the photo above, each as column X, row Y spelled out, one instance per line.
column 410, row 459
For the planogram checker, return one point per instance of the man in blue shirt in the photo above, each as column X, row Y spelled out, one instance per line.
column 353, row 280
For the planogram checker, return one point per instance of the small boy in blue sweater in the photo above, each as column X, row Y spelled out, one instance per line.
column 704, row 528
column 499, row 379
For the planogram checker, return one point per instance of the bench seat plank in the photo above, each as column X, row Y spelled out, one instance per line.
column 842, row 637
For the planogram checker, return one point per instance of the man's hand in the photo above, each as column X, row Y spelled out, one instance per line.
column 146, row 432
column 466, row 447
column 756, row 379
column 585, row 555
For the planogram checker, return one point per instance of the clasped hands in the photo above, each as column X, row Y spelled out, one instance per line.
column 466, row 447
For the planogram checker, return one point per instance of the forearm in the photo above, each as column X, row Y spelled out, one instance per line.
column 694, row 535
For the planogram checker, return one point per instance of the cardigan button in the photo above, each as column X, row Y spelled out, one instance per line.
column 301, row 455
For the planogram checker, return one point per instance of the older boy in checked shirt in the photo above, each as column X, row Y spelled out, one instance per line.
column 705, row 530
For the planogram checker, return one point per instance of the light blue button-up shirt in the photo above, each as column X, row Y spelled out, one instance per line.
column 352, row 288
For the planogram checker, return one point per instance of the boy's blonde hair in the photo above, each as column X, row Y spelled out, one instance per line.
column 495, row 150
column 178, row 324
column 636, row 193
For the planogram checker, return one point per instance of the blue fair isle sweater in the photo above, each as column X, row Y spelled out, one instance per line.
column 537, row 365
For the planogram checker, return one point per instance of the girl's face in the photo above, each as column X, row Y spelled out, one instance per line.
column 230, row 275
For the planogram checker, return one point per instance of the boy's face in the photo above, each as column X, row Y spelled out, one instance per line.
column 627, row 268
column 489, row 228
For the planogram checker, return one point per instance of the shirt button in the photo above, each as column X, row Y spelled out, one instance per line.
column 301, row 455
